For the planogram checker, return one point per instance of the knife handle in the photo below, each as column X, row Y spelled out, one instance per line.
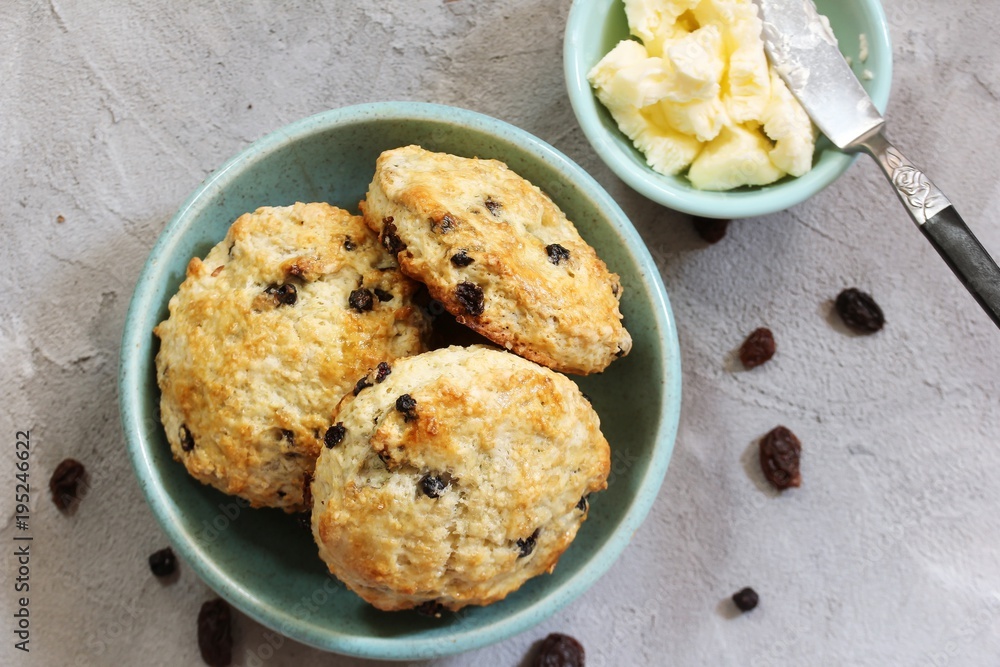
column 941, row 224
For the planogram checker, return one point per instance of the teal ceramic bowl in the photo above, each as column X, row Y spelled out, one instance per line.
column 594, row 27
column 261, row 560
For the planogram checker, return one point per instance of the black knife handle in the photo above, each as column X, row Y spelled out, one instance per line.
column 940, row 223
column 967, row 257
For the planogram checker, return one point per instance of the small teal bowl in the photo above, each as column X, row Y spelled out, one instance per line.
column 594, row 27
column 261, row 560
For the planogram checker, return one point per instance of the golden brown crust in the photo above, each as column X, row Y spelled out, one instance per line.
column 261, row 343
column 516, row 445
column 500, row 256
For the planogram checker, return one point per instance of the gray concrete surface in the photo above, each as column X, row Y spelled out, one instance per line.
column 111, row 113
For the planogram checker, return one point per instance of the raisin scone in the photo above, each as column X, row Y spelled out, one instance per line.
column 266, row 335
column 500, row 256
column 460, row 475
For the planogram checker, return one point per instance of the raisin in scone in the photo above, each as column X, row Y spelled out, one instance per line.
column 266, row 335
column 500, row 256
column 455, row 477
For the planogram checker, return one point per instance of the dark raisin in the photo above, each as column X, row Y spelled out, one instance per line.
column 284, row 294
column 430, row 608
column 382, row 294
column 432, row 486
column 407, row 405
column 163, row 563
column 745, row 599
column 757, row 348
column 709, row 229
column 215, row 636
column 334, row 435
column 527, row 545
column 587, row 396
column 288, row 435
column 615, row 289
column 64, row 481
column 556, row 253
column 361, row 300
column 559, row 650
column 363, row 383
column 493, row 206
column 187, row 440
column 619, row 353
column 582, row 505
column 471, row 297
column 461, row 259
column 779, row 458
column 444, row 224
column 390, row 241
column 859, row 311
column 382, row 371
column 349, row 244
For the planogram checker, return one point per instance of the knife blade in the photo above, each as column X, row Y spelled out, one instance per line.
column 804, row 53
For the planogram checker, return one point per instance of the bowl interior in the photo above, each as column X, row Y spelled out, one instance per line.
column 596, row 26
column 262, row 560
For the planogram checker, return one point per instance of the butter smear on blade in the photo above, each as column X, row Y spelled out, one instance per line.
column 698, row 94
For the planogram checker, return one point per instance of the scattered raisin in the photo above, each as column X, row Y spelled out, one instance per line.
column 163, row 563
column 288, row 435
column 859, row 311
column 361, row 300
column 187, row 440
column 582, row 505
column 382, row 294
column 556, row 253
column 745, row 599
column 215, row 637
column 587, row 397
column 559, row 650
column 284, row 294
column 390, row 240
column 527, row 545
column 619, row 353
column 334, row 435
column 757, row 348
column 407, row 405
column 779, row 458
column 471, row 297
column 432, row 485
column 430, row 608
column 709, row 229
column 363, row 383
column 64, row 482
column 461, row 259
column 444, row 224
column 349, row 244
column 493, row 206
column 382, row 371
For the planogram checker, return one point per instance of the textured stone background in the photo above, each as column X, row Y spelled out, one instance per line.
column 111, row 113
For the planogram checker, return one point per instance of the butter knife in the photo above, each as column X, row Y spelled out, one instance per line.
column 805, row 55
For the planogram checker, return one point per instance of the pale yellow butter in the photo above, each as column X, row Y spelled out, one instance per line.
column 698, row 94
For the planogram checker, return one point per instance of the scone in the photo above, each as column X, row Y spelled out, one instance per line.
column 265, row 336
column 460, row 475
column 500, row 256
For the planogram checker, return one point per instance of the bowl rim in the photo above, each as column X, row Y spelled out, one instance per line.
column 141, row 313
column 726, row 204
